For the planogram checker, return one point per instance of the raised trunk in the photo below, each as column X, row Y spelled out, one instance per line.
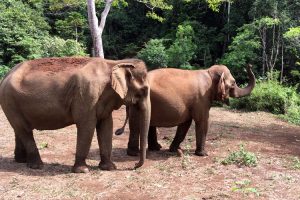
column 145, row 115
column 241, row 92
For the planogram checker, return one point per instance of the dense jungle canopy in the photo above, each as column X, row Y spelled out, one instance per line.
column 188, row 34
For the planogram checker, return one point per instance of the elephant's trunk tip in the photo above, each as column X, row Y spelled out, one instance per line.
column 139, row 164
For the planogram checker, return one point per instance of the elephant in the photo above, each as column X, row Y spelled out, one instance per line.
column 52, row 93
column 180, row 96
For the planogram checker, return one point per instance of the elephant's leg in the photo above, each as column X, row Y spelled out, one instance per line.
column 85, row 132
column 153, row 144
column 25, row 144
column 181, row 132
column 133, row 143
column 104, row 136
column 20, row 151
column 201, row 132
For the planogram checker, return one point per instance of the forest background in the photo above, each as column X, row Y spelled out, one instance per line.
column 187, row 34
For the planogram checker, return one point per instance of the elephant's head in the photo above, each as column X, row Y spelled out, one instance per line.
column 129, row 80
column 226, row 85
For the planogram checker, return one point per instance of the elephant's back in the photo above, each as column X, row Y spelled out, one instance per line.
column 56, row 65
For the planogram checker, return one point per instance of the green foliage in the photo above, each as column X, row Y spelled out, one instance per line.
column 43, row 145
column 244, row 187
column 241, row 158
column 21, row 31
column 60, row 4
column 181, row 51
column 3, row 71
column 58, row 47
column 183, row 48
column 293, row 32
column 154, row 54
column 214, row 4
column 292, row 37
column 242, row 50
column 71, row 26
column 296, row 163
column 272, row 97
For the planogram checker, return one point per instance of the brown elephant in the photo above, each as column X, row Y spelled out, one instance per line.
column 53, row 93
column 180, row 96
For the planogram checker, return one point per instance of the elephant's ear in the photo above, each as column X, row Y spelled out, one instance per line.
column 221, row 88
column 119, row 78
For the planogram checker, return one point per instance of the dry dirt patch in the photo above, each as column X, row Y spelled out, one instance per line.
column 164, row 176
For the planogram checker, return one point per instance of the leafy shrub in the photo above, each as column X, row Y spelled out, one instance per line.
column 244, row 187
column 240, row 158
column 3, row 70
column 58, row 47
column 183, row 49
column 296, row 163
column 154, row 54
column 273, row 97
column 21, row 31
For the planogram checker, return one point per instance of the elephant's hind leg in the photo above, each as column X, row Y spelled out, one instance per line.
column 104, row 136
column 153, row 144
column 26, row 149
column 181, row 132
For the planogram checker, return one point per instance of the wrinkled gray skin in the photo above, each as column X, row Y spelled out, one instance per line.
column 180, row 96
column 53, row 93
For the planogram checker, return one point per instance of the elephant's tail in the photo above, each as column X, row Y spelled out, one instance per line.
column 120, row 131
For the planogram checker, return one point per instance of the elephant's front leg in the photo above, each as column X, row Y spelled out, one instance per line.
column 201, row 132
column 85, row 132
column 104, row 136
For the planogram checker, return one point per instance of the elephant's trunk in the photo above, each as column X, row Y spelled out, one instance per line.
column 144, row 128
column 241, row 92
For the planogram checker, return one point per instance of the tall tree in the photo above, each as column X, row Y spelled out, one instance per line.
column 97, row 30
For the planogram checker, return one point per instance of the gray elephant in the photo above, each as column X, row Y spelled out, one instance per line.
column 53, row 93
column 180, row 96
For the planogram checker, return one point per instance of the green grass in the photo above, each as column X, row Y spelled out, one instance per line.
column 296, row 163
column 243, row 186
column 43, row 145
column 241, row 158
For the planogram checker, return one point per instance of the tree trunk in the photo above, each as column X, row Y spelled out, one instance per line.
column 281, row 75
column 96, row 31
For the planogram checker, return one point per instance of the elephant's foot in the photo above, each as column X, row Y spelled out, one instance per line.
column 108, row 165
column 80, row 168
column 133, row 151
column 154, row 147
column 35, row 165
column 174, row 148
column 20, row 158
column 80, row 165
column 34, row 161
column 201, row 153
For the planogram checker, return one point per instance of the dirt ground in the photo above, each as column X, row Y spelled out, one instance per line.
column 165, row 175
